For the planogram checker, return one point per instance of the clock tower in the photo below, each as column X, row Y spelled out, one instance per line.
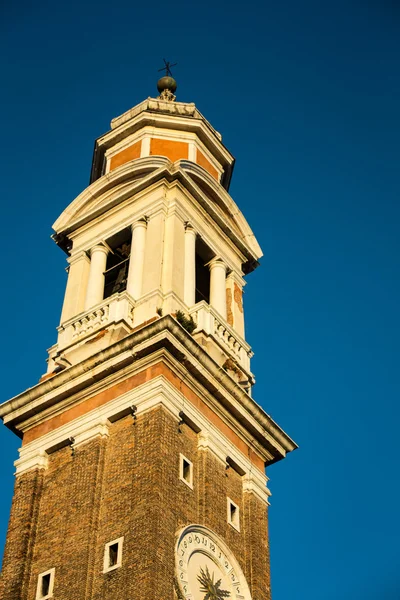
column 141, row 472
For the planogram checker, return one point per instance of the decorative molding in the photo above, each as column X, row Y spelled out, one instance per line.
column 136, row 119
column 211, row 322
column 36, row 458
column 233, row 274
column 146, row 397
column 254, row 484
column 157, row 207
column 115, row 362
column 76, row 256
column 96, row 199
column 114, row 309
column 91, row 432
column 207, row 441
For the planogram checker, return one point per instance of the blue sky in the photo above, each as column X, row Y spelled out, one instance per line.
column 306, row 95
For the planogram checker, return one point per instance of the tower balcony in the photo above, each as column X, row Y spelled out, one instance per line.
column 118, row 308
column 211, row 325
column 90, row 331
column 116, row 316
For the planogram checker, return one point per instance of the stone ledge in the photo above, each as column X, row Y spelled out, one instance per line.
column 164, row 333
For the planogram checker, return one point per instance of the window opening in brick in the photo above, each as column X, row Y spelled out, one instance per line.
column 116, row 273
column 233, row 514
column 186, row 470
column 46, row 585
column 112, row 555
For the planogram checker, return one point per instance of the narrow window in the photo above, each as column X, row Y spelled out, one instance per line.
column 186, row 471
column 45, row 585
column 233, row 514
column 113, row 555
column 116, row 273
column 202, row 281
column 203, row 257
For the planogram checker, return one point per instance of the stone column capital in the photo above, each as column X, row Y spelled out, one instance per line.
column 139, row 223
column 99, row 248
column 81, row 255
column 217, row 262
column 189, row 229
column 233, row 276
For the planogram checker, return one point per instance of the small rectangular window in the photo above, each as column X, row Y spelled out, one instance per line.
column 45, row 585
column 233, row 514
column 113, row 555
column 186, row 470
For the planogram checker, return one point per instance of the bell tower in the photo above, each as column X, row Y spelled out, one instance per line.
column 141, row 472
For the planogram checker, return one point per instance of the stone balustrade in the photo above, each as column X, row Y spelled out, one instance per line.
column 209, row 321
column 115, row 309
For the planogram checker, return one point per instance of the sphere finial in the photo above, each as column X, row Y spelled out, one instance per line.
column 167, row 85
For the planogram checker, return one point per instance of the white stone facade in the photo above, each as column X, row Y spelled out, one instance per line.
column 169, row 210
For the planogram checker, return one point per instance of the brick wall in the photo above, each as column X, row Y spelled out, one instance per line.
column 126, row 485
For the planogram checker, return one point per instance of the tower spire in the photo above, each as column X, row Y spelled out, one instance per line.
column 167, row 85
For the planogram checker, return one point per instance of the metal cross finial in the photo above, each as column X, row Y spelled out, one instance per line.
column 167, row 67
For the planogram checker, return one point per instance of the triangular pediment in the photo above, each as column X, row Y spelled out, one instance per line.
column 132, row 178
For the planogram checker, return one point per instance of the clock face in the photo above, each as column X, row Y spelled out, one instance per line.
column 205, row 567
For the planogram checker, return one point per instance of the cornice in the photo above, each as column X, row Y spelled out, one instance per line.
column 138, row 401
column 139, row 175
column 164, row 333
column 177, row 116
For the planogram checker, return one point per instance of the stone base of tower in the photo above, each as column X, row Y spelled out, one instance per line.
column 137, row 442
column 127, row 484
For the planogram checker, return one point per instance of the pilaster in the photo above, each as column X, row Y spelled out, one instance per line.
column 21, row 536
column 190, row 266
column 234, row 302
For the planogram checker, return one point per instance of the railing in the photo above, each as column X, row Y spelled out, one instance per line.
column 209, row 321
column 116, row 308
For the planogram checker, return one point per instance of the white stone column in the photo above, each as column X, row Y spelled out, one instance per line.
column 218, row 286
column 95, row 288
column 75, row 293
column 190, row 267
column 136, row 260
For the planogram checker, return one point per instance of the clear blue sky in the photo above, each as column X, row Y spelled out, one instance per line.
column 306, row 95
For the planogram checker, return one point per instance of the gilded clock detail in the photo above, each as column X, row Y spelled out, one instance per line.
column 212, row 590
column 205, row 567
